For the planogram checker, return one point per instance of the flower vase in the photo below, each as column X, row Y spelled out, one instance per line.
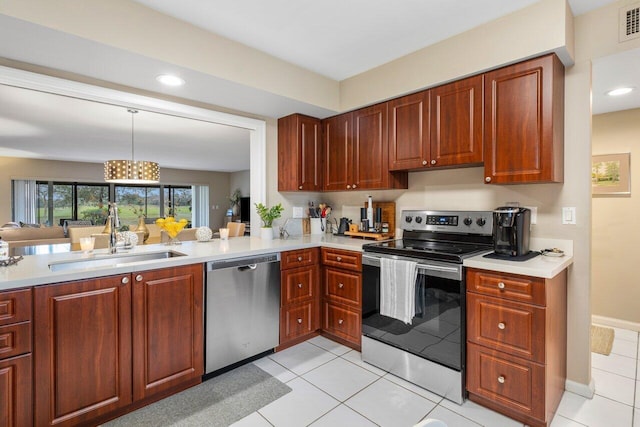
column 266, row 233
column 143, row 227
column 173, row 241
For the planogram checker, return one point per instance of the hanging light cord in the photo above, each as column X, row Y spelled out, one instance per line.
column 133, row 112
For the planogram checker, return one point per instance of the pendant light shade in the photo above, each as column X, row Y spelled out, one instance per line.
column 131, row 171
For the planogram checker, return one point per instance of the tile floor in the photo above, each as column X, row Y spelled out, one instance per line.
column 332, row 387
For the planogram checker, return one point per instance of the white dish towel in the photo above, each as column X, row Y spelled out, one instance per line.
column 398, row 289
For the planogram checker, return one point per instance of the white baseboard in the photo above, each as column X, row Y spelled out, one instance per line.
column 586, row 390
column 615, row 323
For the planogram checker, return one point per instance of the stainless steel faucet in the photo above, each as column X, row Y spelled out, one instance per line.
column 115, row 224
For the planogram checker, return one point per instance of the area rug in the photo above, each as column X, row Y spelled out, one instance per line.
column 218, row 402
column 601, row 339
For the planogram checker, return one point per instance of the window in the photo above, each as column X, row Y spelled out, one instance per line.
column 134, row 201
column 177, row 202
column 92, row 202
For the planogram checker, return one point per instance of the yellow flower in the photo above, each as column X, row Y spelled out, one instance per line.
column 171, row 226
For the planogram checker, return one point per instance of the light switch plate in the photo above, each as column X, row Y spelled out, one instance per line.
column 569, row 215
column 298, row 212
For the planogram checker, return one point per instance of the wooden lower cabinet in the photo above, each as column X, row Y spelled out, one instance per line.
column 15, row 392
column 107, row 345
column 516, row 343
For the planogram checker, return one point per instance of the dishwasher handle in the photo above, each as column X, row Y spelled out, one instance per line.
column 248, row 267
column 243, row 262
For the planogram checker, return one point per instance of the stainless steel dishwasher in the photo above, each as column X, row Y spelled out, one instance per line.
column 242, row 309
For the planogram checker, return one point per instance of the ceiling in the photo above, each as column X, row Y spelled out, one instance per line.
column 325, row 42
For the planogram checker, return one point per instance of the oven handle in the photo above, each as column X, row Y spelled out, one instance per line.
column 374, row 261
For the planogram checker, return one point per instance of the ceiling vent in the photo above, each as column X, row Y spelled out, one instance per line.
column 630, row 22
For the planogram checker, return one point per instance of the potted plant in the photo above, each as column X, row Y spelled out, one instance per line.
column 268, row 215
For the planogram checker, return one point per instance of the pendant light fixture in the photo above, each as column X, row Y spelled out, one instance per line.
column 131, row 171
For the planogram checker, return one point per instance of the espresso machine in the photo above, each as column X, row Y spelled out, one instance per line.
column 511, row 226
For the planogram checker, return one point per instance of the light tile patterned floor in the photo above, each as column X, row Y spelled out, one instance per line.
column 333, row 387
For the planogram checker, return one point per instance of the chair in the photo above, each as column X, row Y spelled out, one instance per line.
column 75, row 233
column 236, row 229
column 183, row 236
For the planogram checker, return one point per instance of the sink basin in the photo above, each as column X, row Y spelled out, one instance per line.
column 111, row 260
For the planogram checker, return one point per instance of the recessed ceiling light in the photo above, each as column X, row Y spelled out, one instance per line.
column 169, row 80
column 620, row 91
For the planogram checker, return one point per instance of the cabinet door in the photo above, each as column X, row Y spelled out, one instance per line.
column 82, row 350
column 338, row 157
column 299, row 153
column 409, row 137
column 342, row 322
column 15, row 392
column 370, row 148
column 456, row 124
column 299, row 284
column 298, row 320
column 168, row 339
column 524, row 116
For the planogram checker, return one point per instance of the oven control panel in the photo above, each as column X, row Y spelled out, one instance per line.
column 474, row 222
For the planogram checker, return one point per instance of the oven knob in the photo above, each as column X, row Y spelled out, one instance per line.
column 468, row 221
column 408, row 218
column 418, row 219
column 481, row 222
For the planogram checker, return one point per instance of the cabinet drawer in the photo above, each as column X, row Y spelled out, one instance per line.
column 299, row 284
column 298, row 320
column 515, row 328
column 299, row 258
column 349, row 260
column 15, row 306
column 15, row 339
column 342, row 322
column 509, row 286
column 343, row 286
column 506, row 380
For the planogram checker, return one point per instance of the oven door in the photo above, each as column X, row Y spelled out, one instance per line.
column 437, row 331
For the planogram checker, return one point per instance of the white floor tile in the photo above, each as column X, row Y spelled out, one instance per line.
column 302, row 358
column 390, row 405
column 356, row 357
column 615, row 387
column 277, row 371
column 637, row 404
column 636, row 418
column 301, row 406
column 329, row 345
column 480, row 414
column 625, row 348
column 414, row 388
column 340, row 378
column 560, row 421
column 621, row 365
column 450, row 418
column 253, row 420
column 343, row 416
column 595, row 412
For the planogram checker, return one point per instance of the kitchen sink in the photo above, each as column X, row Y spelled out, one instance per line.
column 110, row 260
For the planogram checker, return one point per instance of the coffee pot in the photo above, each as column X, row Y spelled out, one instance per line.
column 511, row 231
column 344, row 225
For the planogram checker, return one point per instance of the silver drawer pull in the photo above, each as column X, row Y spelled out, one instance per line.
column 139, row 278
column 339, row 259
column 299, row 258
column 300, row 285
column 501, row 379
column 501, row 285
column 299, row 320
column 341, row 285
column 125, row 280
column 340, row 322
column 501, row 325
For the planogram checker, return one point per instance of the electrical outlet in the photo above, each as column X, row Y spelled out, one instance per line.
column 569, row 215
column 298, row 212
column 534, row 214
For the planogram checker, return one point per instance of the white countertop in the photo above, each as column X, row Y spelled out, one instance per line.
column 34, row 269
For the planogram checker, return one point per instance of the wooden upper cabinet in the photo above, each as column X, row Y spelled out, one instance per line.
column 299, row 153
column 409, row 136
column 370, row 147
column 524, row 122
column 456, row 123
column 338, row 157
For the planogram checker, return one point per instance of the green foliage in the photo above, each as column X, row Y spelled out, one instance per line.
column 96, row 215
column 123, row 228
column 268, row 215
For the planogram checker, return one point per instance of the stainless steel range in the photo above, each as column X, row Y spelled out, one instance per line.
column 421, row 277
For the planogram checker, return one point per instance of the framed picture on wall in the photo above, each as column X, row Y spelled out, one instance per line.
column 610, row 174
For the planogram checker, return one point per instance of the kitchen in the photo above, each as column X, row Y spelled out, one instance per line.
column 465, row 187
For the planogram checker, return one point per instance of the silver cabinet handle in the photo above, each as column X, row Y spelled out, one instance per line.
column 299, row 259
column 348, row 187
column 354, row 186
column 501, row 379
column 424, row 163
column 487, row 179
column 501, row 285
column 300, row 285
column 139, row 278
column 340, row 322
column 339, row 259
column 433, row 162
column 125, row 280
column 299, row 320
column 341, row 285
column 300, row 187
column 501, row 325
